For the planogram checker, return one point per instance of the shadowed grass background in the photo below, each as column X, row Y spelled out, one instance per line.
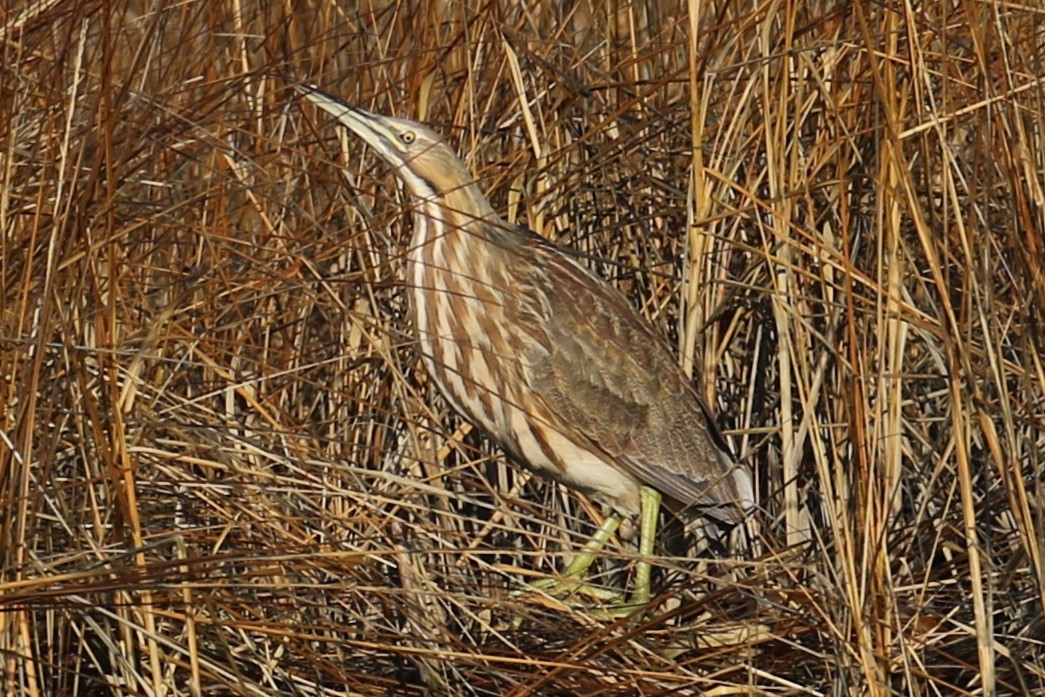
column 223, row 470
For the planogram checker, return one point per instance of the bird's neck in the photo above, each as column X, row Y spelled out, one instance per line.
column 463, row 210
column 467, row 202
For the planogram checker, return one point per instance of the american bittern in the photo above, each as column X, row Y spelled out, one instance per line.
column 546, row 357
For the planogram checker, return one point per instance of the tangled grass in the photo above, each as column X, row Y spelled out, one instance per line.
column 223, row 471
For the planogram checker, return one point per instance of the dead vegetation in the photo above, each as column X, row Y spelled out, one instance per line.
column 223, row 471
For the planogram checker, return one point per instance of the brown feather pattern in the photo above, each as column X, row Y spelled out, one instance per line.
column 536, row 350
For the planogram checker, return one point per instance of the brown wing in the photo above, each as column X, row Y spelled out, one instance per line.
column 610, row 380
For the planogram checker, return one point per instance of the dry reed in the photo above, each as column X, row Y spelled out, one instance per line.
column 223, row 471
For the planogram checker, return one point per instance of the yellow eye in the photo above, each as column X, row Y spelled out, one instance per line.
column 407, row 137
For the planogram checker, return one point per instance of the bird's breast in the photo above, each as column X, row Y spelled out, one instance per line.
column 460, row 305
column 467, row 307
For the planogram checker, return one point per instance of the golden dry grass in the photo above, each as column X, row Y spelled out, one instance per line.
column 223, row 471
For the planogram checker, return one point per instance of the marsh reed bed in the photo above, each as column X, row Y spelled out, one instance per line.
column 224, row 471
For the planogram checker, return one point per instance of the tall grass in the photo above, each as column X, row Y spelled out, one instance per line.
column 224, row 471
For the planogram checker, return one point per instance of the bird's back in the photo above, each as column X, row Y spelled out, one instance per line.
column 542, row 354
column 563, row 372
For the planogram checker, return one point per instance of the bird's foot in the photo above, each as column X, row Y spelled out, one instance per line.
column 570, row 586
column 608, row 604
column 596, row 602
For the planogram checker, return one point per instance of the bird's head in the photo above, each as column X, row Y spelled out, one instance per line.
column 426, row 164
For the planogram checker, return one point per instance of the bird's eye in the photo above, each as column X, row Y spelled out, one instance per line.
column 407, row 137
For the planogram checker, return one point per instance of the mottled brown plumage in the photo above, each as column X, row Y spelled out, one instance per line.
column 543, row 355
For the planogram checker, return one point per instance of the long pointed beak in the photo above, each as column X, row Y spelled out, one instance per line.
column 364, row 124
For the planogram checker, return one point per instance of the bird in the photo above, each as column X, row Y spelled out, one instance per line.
column 547, row 358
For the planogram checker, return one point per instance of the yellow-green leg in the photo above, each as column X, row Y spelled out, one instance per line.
column 572, row 580
column 648, row 514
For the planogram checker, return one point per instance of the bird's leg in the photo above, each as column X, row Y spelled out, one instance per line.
column 580, row 564
column 572, row 580
column 648, row 515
